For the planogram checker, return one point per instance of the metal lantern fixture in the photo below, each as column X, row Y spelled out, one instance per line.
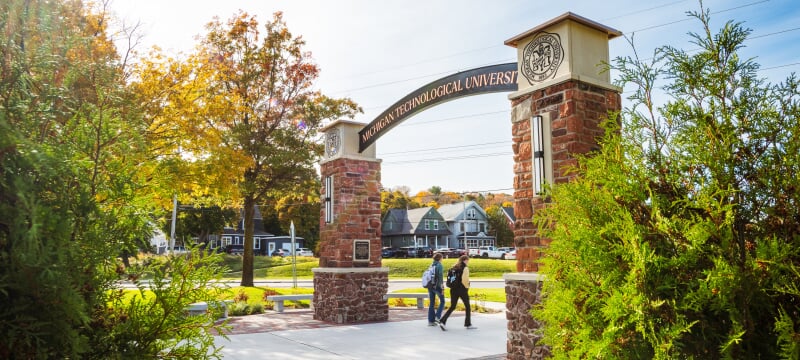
column 538, row 154
column 329, row 199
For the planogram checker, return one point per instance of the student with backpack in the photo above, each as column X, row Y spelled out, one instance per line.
column 458, row 281
column 436, row 289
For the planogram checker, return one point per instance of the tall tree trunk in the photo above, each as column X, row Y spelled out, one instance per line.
column 247, row 257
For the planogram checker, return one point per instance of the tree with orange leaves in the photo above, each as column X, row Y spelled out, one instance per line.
column 255, row 114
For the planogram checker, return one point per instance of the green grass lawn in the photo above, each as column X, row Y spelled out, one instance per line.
column 276, row 268
column 493, row 294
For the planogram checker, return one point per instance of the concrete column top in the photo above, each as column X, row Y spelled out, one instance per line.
column 350, row 270
column 523, row 276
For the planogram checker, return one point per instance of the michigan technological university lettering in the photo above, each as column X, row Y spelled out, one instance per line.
column 495, row 78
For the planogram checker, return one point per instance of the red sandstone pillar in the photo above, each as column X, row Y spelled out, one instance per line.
column 350, row 284
column 560, row 79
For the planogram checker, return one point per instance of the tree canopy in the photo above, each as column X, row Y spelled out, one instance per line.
column 680, row 236
column 74, row 195
column 245, row 107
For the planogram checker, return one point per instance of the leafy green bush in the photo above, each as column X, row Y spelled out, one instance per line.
column 256, row 308
column 239, row 309
column 680, row 239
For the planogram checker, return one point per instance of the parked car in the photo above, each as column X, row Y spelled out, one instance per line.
column 506, row 251
column 424, row 252
column 415, row 252
column 511, row 255
column 389, row 252
column 487, row 252
column 452, row 252
column 179, row 250
column 406, row 252
column 304, row 252
column 280, row 252
column 234, row 249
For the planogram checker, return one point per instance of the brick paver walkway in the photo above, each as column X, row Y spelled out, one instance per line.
column 297, row 319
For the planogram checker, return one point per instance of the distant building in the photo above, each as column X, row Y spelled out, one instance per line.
column 468, row 223
column 423, row 227
column 264, row 243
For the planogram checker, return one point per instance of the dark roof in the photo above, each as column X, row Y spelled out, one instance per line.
column 232, row 231
column 412, row 222
column 509, row 211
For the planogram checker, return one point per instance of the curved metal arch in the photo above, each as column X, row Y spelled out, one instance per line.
column 483, row 80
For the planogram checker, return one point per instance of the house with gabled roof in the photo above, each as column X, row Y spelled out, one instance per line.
column 423, row 227
column 468, row 224
column 264, row 243
column 510, row 218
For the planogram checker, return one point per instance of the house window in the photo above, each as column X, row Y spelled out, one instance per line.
column 427, row 224
column 226, row 240
column 462, row 227
column 256, row 243
column 482, row 227
column 435, row 224
column 470, row 213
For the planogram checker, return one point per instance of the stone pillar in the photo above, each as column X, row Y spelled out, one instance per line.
column 349, row 284
column 560, row 79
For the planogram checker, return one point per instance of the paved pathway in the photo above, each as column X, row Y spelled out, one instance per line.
column 294, row 334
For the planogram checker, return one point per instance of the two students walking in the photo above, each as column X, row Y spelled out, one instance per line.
column 459, row 289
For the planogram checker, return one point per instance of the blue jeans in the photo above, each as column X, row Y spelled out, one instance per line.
column 432, row 292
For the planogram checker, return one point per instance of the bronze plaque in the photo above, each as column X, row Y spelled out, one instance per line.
column 361, row 250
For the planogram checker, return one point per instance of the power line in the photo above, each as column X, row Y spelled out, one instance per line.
column 446, row 148
column 463, row 157
column 484, row 48
column 459, row 117
column 687, row 19
column 493, row 46
column 643, row 10
column 409, row 79
column 779, row 66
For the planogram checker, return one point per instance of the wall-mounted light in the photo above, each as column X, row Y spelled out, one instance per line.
column 537, row 138
column 329, row 199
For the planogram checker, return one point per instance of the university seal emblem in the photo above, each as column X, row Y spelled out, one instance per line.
column 542, row 57
column 333, row 142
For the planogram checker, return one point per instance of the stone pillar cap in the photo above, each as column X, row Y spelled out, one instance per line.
column 612, row 33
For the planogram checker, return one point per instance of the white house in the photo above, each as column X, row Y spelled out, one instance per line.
column 467, row 222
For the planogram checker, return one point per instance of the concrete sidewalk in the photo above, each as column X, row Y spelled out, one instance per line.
column 410, row 339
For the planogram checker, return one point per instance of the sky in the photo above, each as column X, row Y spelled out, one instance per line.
column 377, row 51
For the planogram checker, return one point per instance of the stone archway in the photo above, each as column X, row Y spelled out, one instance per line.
column 559, row 96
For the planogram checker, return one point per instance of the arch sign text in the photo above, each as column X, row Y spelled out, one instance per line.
column 488, row 79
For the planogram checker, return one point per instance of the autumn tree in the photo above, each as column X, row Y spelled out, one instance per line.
column 397, row 198
column 299, row 205
column 254, row 112
column 498, row 226
column 200, row 222
column 72, row 198
column 680, row 237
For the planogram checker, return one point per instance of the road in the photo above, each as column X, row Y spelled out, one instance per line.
column 394, row 285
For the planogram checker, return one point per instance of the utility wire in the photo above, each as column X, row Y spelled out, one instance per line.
column 447, row 56
column 473, row 156
column 494, row 46
column 446, row 148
